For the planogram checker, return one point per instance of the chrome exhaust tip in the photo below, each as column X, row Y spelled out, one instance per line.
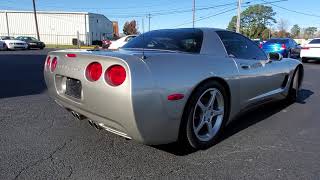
column 97, row 126
column 91, row 123
column 77, row 115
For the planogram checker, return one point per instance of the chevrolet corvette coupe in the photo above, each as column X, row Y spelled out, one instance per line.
column 176, row 85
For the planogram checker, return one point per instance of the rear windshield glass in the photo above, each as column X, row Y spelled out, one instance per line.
column 282, row 41
column 185, row 40
column 315, row 41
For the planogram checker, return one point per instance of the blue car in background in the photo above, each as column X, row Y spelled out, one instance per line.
column 287, row 47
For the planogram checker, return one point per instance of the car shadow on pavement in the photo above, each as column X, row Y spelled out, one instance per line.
column 243, row 121
column 21, row 74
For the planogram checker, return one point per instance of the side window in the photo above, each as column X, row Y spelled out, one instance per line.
column 240, row 47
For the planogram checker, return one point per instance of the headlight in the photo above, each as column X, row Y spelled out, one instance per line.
column 11, row 43
column 33, row 43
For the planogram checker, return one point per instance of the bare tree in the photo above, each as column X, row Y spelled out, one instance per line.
column 283, row 25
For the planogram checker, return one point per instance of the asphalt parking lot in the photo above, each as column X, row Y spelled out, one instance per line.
column 39, row 140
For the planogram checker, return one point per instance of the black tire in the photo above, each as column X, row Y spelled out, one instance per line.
column 187, row 136
column 304, row 60
column 294, row 87
column 5, row 47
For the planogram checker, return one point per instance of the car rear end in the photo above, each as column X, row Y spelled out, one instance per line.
column 95, row 87
column 276, row 46
column 311, row 50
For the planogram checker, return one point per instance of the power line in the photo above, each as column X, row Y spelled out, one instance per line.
column 207, row 17
column 307, row 14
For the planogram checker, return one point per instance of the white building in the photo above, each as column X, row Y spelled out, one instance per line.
column 56, row 27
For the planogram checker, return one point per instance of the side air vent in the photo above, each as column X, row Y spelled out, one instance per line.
column 285, row 81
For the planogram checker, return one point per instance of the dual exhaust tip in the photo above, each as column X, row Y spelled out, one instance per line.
column 95, row 125
column 82, row 117
column 77, row 115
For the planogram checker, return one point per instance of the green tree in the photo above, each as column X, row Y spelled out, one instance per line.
column 295, row 31
column 309, row 32
column 130, row 28
column 254, row 20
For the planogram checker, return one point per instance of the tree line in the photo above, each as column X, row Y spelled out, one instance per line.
column 257, row 22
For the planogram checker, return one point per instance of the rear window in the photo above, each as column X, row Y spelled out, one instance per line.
column 315, row 41
column 185, row 40
column 282, row 41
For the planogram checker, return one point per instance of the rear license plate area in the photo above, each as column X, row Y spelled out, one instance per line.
column 73, row 88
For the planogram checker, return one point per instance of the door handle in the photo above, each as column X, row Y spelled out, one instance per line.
column 245, row 66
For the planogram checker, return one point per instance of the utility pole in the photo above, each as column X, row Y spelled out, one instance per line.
column 238, row 17
column 35, row 18
column 193, row 13
column 8, row 32
column 149, row 17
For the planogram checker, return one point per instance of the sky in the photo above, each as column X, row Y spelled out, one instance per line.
column 175, row 13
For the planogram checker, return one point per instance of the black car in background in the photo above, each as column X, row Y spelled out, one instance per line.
column 32, row 42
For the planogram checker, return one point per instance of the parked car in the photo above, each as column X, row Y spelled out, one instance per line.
column 10, row 43
column 287, row 47
column 311, row 50
column 32, row 42
column 121, row 42
column 106, row 43
column 164, row 86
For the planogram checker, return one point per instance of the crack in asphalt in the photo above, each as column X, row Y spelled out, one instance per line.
column 41, row 160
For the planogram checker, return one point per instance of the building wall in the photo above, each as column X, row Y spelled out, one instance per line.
column 57, row 28
column 100, row 27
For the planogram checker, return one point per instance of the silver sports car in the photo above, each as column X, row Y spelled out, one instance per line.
column 172, row 85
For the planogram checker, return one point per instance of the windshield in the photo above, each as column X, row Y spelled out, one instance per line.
column 27, row 38
column 185, row 40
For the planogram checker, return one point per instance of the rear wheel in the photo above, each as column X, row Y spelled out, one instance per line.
column 304, row 60
column 205, row 116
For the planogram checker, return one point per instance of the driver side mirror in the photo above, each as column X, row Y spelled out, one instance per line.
column 275, row 56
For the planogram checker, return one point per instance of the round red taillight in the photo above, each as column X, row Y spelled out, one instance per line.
column 94, row 71
column 48, row 61
column 115, row 75
column 54, row 64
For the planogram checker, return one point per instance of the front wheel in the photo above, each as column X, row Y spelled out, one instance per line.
column 5, row 47
column 205, row 116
